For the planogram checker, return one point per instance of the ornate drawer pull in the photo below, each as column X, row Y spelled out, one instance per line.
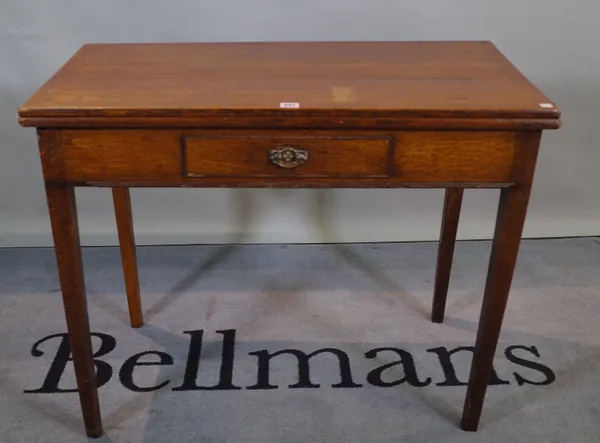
column 288, row 157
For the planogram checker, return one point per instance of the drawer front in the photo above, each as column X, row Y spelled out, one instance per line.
column 261, row 156
column 148, row 157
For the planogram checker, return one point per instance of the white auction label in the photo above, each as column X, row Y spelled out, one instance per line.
column 546, row 105
column 289, row 105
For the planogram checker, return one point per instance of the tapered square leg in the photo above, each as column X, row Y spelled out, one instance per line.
column 65, row 231
column 450, row 217
column 122, row 203
column 510, row 219
column 511, row 214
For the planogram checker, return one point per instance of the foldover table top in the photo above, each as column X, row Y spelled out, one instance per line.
column 197, row 84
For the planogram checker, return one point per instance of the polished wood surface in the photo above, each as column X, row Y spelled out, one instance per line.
column 451, row 115
column 217, row 158
column 451, row 215
column 248, row 156
column 454, row 156
column 512, row 209
column 124, row 219
column 65, row 232
column 192, row 83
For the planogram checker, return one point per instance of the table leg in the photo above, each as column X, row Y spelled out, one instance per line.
column 122, row 203
column 507, row 237
column 452, row 204
column 65, row 231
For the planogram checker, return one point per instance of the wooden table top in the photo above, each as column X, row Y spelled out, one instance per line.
column 124, row 83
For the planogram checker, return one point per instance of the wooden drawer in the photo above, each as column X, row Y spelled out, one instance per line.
column 149, row 157
column 263, row 156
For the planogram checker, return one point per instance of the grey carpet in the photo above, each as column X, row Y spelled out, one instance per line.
column 353, row 298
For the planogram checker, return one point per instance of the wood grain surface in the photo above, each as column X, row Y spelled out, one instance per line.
column 248, row 156
column 201, row 83
column 145, row 157
column 124, row 219
column 65, row 232
column 356, row 158
column 450, row 217
column 510, row 219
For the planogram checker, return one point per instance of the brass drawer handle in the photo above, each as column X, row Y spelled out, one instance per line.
column 288, row 157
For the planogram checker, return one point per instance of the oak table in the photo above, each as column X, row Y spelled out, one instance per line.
column 450, row 115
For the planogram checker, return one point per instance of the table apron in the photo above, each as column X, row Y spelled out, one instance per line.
column 281, row 158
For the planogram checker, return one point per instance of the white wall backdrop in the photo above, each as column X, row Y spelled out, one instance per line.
column 554, row 42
